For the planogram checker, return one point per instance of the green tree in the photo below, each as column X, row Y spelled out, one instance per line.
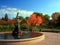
column 6, row 17
column 38, row 14
column 26, row 18
column 2, row 18
column 46, row 18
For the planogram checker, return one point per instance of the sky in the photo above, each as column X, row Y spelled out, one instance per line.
column 27, row 7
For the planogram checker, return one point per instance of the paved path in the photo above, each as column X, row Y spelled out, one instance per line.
column 50, row 39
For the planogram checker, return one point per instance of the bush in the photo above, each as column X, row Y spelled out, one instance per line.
column 6, row 28
column 37, row 29
column 11, row 27
column 24, row 27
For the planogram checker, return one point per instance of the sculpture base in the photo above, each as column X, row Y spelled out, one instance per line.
column 17, row 34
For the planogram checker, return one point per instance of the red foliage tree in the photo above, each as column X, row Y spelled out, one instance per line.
column 34, row 20
column 11, row 22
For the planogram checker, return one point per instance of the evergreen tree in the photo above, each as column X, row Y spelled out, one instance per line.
column 2, row 18
column 6, row 17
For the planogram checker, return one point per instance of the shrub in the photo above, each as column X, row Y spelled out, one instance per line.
column 6, row 28
column 37, row 29
column 11, row 27
column 24, row 27
column 11, row 22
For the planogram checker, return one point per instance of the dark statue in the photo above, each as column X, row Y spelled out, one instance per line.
column 15, row 32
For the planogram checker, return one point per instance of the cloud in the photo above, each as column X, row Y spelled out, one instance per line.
column 12, row 12
column 12, row 9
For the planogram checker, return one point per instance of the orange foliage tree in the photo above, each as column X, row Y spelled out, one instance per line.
column 34, row 20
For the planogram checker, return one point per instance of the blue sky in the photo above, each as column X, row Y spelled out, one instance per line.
column 27, row 7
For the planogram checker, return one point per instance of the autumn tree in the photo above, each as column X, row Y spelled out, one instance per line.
column 56, row 18
column 45, row 17
column 11, row 22
column 34, row 20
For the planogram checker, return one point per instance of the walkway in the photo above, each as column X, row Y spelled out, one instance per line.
column 50, row 39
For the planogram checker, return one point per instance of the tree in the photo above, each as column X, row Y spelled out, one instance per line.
column 46, row 18
column 58, row 21
column 2, row 22
column 26, row 18
column 34, row 20
column 38, row 14
column 11, row 22
column 6, row 17
column 2, row 18
column 55, row 16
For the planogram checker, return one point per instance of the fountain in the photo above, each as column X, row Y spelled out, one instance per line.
column 18, row 37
